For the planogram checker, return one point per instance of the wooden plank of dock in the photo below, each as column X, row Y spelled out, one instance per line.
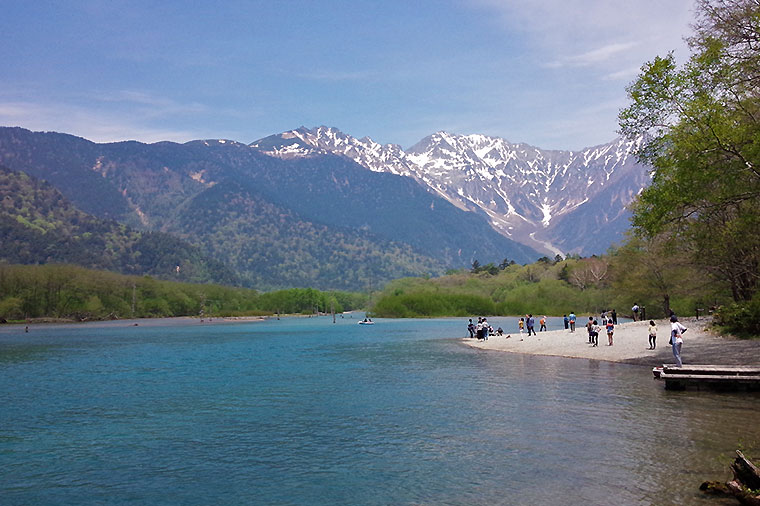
column 718, row 377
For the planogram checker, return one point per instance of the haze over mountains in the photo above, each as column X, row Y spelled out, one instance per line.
column 317, row 207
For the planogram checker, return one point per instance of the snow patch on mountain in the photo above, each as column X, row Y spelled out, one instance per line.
column 526, row 193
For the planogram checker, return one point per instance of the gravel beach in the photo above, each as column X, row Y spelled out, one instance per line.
column 631, row 345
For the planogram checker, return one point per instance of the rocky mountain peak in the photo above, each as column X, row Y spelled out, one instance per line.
column 527, row 193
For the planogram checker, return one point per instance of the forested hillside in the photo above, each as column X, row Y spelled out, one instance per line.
column 267, row 242
column 322, row 221
column 38, row 226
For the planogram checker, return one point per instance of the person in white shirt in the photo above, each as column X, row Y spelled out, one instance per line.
column 676, row 335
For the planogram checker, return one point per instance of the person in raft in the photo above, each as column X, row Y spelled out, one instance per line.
column 610, row 330
column 542, row 321
column 572, row 321
column 652, row 335
column 676, row 335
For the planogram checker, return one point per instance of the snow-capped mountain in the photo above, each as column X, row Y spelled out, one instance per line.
column 553, row 201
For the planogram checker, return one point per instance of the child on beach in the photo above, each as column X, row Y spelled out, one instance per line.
column 610, row 330
column 652, row 335
column 542, row 321
column 595, row 329
column 521, row 325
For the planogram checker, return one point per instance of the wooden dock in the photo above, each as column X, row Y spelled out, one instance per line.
column 709, row 377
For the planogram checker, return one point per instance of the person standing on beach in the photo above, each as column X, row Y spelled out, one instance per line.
column 566, row 320
column 676, row 335
column 531, row 324
column 635, row 310
column 521, row 325
column 486, row 329
column 471, row 329
column 572, row 321
column 595, row 329
column 542, row 321
column 590, row 327
column 610, row 330
column 652, row 335
column 614, row 317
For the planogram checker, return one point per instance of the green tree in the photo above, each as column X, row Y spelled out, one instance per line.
column 701, row 129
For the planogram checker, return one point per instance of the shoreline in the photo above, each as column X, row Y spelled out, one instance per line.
column 631, row 342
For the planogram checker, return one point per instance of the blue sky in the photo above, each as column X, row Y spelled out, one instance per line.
column 550, row 73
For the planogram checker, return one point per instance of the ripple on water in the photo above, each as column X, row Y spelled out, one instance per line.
column 306, row 412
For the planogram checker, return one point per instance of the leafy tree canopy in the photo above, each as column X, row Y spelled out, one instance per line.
column 701, row 128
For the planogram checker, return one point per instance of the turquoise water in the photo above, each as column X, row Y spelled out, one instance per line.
column 304, row 411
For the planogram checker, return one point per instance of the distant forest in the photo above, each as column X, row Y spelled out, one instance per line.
column 76, row 293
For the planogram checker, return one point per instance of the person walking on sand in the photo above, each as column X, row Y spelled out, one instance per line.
column 676, row 335
column 572, row 321
column 652, row 335
column 531, row 324
column 566, row 320
column 610, row 330
column 595, row 329
column 542, row 321
column 521, row 325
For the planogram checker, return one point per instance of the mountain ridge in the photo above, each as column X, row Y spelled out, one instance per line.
column 323, row 221
column 523, row 191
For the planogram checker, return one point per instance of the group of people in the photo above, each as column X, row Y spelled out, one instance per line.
column 593, row 328
column 608, row 319
column 530, row 323
column 483, row 329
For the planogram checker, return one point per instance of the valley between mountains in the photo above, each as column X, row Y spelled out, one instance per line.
column 319, row 208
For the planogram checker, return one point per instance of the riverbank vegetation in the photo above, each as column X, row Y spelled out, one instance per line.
column 693, row 244
column 71, row 292
column 630, row 274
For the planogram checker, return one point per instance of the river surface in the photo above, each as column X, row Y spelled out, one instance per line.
column 302, row 411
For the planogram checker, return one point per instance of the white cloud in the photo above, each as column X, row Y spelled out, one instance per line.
column 588, row 32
